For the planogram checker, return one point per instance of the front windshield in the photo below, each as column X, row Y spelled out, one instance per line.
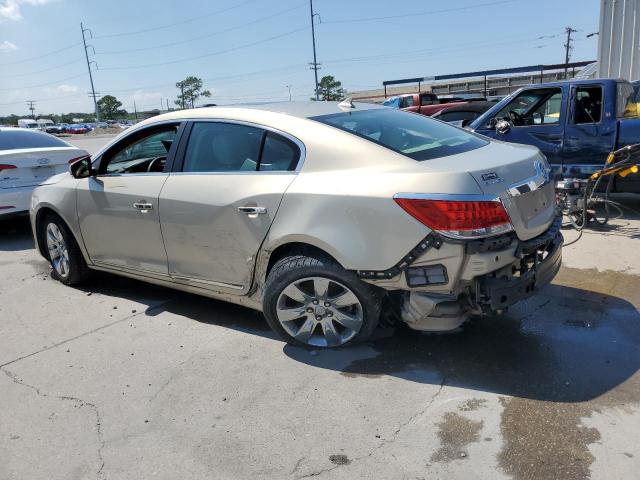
column 413, row 135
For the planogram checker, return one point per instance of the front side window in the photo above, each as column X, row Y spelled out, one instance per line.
column 587, row 105
column 406, row 102
column 415, row 136
column 533, row 107
column 147, row 153
column 16, row 139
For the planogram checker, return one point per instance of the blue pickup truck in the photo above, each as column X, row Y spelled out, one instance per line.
column 575, row 123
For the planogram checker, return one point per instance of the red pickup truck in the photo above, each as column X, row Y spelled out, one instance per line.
column 423, row 103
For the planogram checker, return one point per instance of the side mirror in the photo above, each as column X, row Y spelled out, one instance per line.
column 82, row 168
column 502, row 127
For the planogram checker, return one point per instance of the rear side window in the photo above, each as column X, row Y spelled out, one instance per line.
column 428, row 99
column 278, row 153
column 230, row 147
column 222, row 147
column 628, row 100
column 12, row 140
column 415, row 136
column 588, row 104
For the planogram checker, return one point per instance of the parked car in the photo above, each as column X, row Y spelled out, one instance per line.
column 315, row 213
column 29, row 157
column 575, row 123
column 76, row 128
column 423, row 103
column 27, row 123
column 463, row 115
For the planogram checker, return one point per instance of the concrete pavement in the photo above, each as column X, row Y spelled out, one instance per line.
column 119, row 379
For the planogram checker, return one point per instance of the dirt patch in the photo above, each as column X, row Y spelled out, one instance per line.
column 339, row 459
column 455, row 433
column 472, row 404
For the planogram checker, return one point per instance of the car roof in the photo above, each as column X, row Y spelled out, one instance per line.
column 20, row 129
column 306, row 109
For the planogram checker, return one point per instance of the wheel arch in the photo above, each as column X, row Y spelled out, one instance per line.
column 40, row 215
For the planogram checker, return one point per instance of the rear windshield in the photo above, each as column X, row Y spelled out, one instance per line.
column 11, row 140
column 413, row 135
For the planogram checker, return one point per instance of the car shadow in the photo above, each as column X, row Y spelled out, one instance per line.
column 564, row 345
column 15, row 234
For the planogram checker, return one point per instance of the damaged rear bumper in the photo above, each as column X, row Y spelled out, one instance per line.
column 535, row 263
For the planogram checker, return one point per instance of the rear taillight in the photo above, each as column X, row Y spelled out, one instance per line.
column 459, row 218
column 6, row 167
column 74, row 160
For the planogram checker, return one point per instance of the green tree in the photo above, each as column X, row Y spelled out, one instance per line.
column 109, row 107
column 330, row 89
column 190, row 91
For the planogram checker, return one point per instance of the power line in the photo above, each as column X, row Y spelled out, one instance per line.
column 181, row 22
column 42, row 84
column 41, row 71
column 42, row 56
column 201, row 37
column 429, row 12
column 206, row 55
column 40, row 100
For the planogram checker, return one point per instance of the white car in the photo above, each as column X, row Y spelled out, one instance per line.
column 28, row 158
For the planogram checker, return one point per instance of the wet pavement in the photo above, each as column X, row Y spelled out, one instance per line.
column 119, row 379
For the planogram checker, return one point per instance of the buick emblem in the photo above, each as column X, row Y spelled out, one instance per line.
column 43, row 161
column 541, row 170
column 491, row 178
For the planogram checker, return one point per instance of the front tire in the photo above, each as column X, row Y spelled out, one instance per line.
column 63, row 251
column 311, row 301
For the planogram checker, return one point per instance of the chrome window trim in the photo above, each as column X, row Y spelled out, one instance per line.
column 288, row 136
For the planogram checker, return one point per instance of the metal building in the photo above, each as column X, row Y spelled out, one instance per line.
column 619, row 40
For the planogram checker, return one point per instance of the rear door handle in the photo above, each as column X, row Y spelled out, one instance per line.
column 143, row 206
column 252, row 210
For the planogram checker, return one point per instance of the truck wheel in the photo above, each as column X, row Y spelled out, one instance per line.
column 313, row 302
column 63, row 251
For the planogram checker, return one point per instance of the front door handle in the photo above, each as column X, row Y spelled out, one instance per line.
column 143, row 206
column 252, row 210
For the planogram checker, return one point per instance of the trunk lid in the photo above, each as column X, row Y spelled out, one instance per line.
column 35, row 165
column 517, row 175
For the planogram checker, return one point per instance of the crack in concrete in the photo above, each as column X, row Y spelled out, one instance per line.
column 384, row 442
column 79, row 402
column 76, row 337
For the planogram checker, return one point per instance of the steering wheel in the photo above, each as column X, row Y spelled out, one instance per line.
column 153, row 162
column 515, row 117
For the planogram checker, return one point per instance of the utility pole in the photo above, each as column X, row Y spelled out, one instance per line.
column 315, row 65
column 289, row 88
column 135, row 110
column 86, row 54
column 167, row 104
column 32, row 107
column 568, row 48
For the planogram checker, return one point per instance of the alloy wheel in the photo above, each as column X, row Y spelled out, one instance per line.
column 58, row 252
column 319, row 311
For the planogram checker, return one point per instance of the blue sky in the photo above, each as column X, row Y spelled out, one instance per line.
column 249, row 50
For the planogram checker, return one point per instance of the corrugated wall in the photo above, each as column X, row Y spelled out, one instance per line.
column 619, row 41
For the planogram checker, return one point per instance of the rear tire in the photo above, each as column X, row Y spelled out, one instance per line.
column 63, row 251
column 311, row 301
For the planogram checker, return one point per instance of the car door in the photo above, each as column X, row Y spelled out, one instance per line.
column 536, row 117
column 118, row 208
column 217, row 207
column 590, row 133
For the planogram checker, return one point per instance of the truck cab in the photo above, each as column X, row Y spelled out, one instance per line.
column 575, row 123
